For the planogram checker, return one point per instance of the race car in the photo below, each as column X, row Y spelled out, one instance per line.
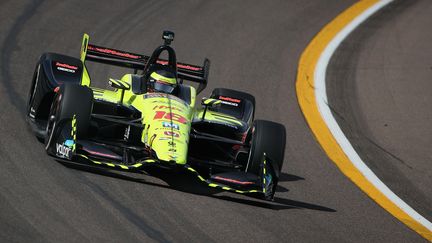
column 149, row 118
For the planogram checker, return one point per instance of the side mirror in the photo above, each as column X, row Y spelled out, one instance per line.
column 119, row 84
column 209, row 102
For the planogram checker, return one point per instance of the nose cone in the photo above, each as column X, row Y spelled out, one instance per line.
column 167, row 129
column 170, row 141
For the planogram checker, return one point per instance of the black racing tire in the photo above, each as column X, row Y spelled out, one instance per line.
column 37, row 76
column 269, row 138
column 70, row 100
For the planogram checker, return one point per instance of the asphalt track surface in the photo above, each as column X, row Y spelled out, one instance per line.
column 253, row 46
column 380, row 90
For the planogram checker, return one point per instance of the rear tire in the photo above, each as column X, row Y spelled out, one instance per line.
column 71, row 99
column 269, row 138
column 32, row 91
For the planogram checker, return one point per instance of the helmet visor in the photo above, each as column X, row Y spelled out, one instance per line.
column 163, row 87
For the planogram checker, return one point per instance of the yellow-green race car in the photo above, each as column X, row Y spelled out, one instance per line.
column 149, row 118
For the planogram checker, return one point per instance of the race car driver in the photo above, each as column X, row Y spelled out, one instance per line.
column 162, row 81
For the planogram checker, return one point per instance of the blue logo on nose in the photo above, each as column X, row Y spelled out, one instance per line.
column 69, row 143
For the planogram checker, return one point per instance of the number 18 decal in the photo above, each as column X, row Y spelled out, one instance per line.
column 169, row 116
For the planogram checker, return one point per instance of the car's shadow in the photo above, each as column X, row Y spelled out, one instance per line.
column 186, row 182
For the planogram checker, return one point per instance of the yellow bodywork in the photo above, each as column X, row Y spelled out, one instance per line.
column 166, row 119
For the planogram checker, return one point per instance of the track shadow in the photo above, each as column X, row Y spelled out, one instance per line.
column 289, row 177
column 277, row 204
column 303, row 205
column 182, row 181
column 176, row 180
column 185, row 182
column 281, row 189
column 109, row 173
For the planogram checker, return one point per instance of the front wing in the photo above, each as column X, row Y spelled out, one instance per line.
column 65, row 148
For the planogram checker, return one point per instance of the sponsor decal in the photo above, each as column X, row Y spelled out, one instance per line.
column 184, row 66
column 59, row 64
column 175, row 139
column 170, row 116
column 170, row 133
column 155, row 95
column 62, row 150
column 165, row 101
column 65, row 70
column 171, row 125
column 225, row 98
column 126, row 134
column 229, row 103
column 164, row 128
column 113, row 52
column 172, row 150
column 170, row 143
column 66, row 67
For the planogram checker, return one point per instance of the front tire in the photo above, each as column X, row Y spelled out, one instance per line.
column 269, row 138
column 35, row 82
column 70, row 100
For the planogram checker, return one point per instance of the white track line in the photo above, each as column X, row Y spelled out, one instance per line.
column 321, row 97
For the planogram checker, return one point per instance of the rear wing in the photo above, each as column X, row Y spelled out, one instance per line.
column 188, row 72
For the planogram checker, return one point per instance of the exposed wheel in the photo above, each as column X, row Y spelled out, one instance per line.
column 32, row 91
column 70, row 100
column 269, row 138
